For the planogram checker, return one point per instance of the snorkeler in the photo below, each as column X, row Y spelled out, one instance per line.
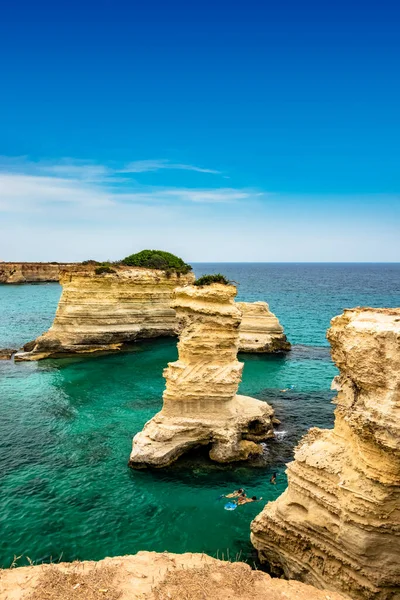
column 236, row 493
column 273, row 479
column 243, row 500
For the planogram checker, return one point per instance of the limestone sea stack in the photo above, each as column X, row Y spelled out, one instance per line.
column 260, row 330
column 30, row 272
column 337, row 526
column 200, row 405
column 102, row 311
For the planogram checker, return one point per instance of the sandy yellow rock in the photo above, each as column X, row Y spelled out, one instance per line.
column 260, row 330
column 152, row 576
column 30, row 272
column 200, row 405
column 101, row 312
column 337, row 526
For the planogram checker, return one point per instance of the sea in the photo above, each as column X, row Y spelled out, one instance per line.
column 66, row 425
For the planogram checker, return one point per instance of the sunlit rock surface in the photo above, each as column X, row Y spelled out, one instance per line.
column 200, row 403
column 102, row 312
column 152, row 576
column 260, row 330
column 30, row 272
column 337, row 526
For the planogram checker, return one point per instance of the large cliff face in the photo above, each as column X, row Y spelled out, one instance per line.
column 99, row 312
column 30, row 272
column 338, row 523
column 200, row 404
column 260, row 330
column 151, row 576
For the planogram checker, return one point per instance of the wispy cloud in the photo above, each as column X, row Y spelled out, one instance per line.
column 144, row 166
column 32, row 186
column 91, row 171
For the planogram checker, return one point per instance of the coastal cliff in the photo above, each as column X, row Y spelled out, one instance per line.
column 26, row 272
column 200, row 405
column 337, row 526
column 102, row 311
column 151, row 576
column 260, row 330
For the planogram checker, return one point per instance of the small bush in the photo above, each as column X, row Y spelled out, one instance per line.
column 158, row 259
column 209, row 279
column 90, row 262
column 104, row 269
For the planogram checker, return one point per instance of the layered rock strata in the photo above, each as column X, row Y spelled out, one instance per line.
column 152, row 576
column 260, row 330
column 200, row 405
column 337, row 526
column 104, row 311
column 25, row 272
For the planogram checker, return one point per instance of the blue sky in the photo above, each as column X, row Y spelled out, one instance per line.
column 221, row 131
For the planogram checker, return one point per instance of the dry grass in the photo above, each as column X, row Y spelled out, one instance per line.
column 96, row 584
column 220, row 581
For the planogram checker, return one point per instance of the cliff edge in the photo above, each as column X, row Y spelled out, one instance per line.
column 337, row 526
column 31, row 272
column 151, row 576
column 103, row 311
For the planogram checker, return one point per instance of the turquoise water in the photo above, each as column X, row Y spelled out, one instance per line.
column 66, row 426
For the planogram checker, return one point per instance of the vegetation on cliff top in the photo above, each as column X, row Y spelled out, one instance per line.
column 158, row 259
column 104, row 269
column 209, row 279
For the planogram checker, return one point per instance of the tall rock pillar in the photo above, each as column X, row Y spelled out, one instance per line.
column 337, row 526
column 200, row 405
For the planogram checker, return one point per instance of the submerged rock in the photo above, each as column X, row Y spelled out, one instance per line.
column 337, row 526
column 200, row 405
column 260, row 330
column 6, row 353
column 152, row 576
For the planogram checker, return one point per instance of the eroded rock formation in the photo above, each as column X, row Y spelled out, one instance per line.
column 260, row 330
column 200, row 405
column 25, row 272
column 152, row 576
column 101, row 312
column 338, row 524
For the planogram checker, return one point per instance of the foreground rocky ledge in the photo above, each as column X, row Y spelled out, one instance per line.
column 200, row 405
column 337, row 526
column 152, row 576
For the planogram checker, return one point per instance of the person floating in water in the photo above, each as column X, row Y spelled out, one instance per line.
column 244, row 500
column 236, row 493
column 273, row 479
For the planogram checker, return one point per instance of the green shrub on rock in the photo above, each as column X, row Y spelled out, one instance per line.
column 209, row 279
column 158, row 259
column 104, row 269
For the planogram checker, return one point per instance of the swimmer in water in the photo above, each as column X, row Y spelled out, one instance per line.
column 236, row 493
column 244, row 500
column 273, row 479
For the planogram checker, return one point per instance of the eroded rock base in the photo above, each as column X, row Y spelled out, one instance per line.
column 234, row 434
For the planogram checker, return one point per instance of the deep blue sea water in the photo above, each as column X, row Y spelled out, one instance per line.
column 66, row 425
